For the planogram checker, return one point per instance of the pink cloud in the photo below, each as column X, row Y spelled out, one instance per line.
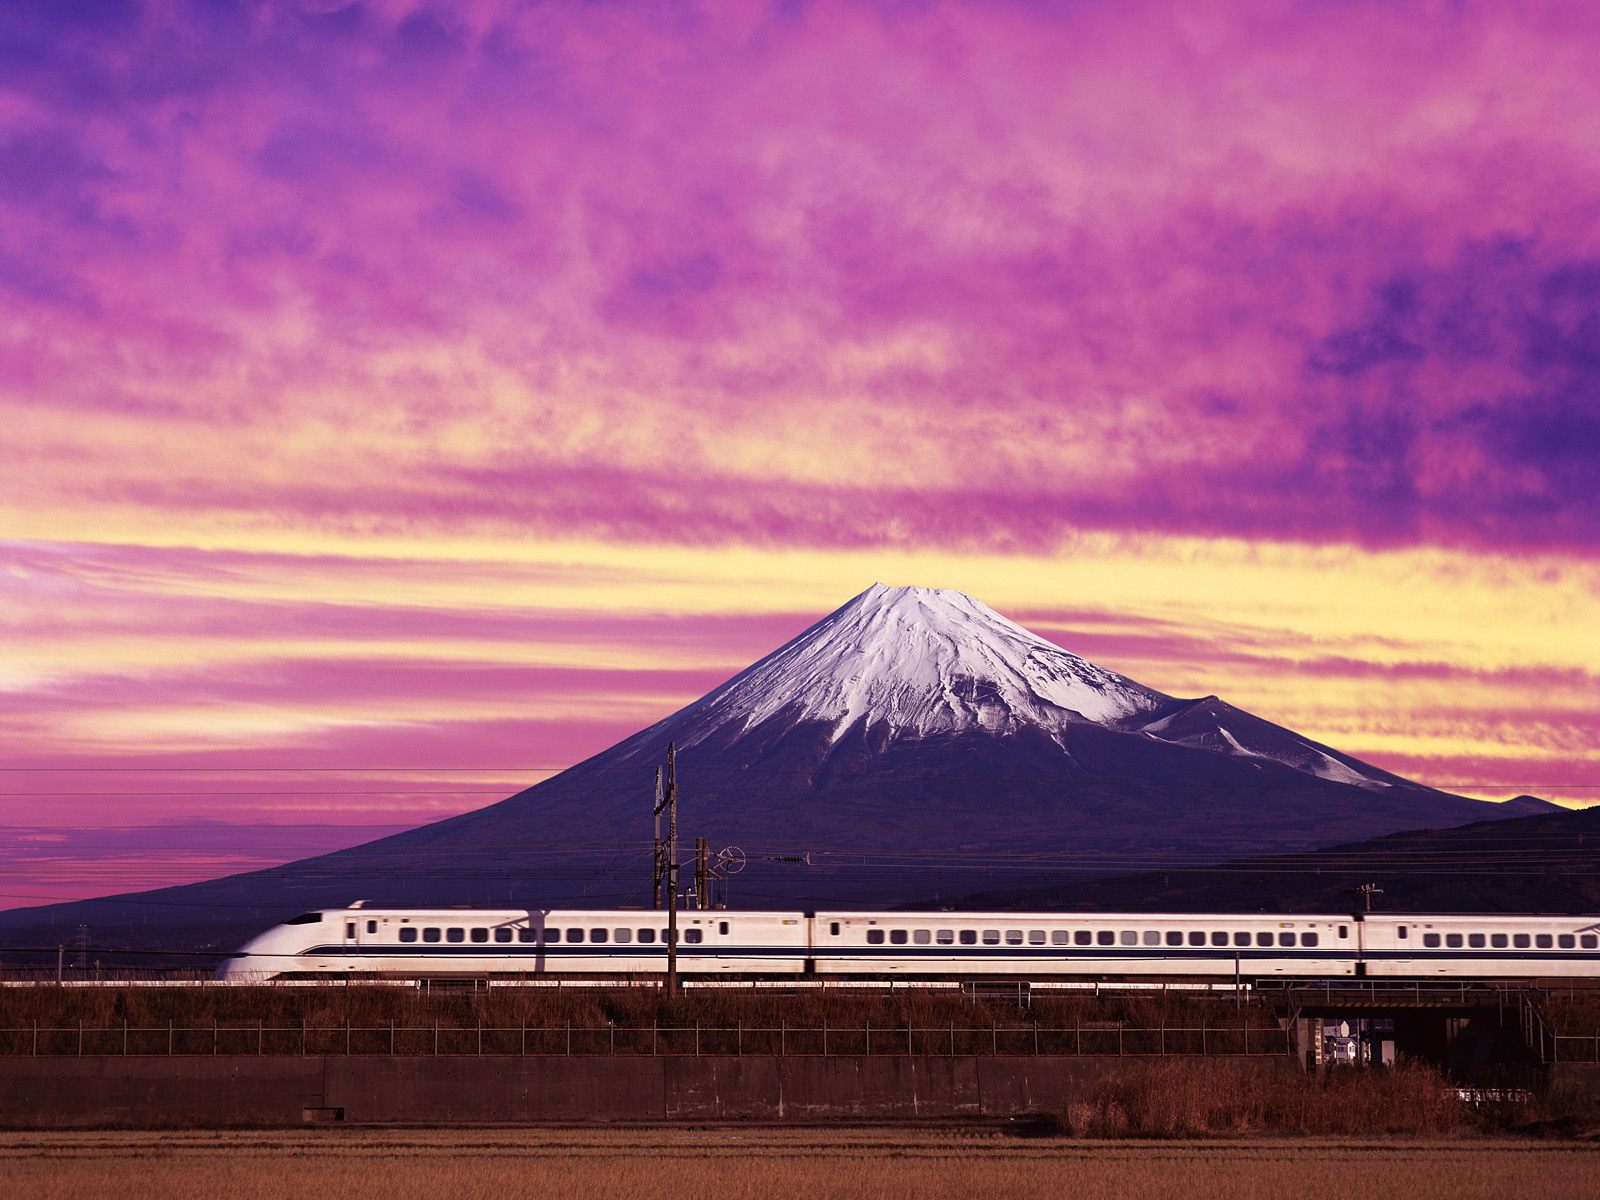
column 972, row 277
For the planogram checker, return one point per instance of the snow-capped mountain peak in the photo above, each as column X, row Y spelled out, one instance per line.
column 920, row 661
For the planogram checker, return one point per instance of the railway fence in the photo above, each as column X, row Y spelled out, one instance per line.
column 569, row 1040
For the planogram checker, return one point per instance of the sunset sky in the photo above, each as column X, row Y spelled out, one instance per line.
column 441, row 391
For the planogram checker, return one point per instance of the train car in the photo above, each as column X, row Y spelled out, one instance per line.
column 1480, row 947
column 1098, row 945
column 418, row 943
column 455, row 942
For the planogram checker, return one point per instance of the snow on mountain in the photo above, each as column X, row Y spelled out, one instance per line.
column 914, row 662
column 1217, row 726
column 920, row 661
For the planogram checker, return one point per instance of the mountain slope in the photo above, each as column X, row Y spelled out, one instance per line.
column 912, row 743
column 1548, row 863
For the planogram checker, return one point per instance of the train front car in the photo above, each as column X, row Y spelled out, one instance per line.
column 280, row 951
column 1423, row 946
column 1085, row 945
column 480, row 943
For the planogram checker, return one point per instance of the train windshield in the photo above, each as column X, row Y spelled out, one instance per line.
column 305, row 919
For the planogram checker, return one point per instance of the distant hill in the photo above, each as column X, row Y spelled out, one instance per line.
column 1544, row 863
column 913, row 735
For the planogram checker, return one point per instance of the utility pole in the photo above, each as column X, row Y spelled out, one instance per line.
column 670, row 802
column 1367, row 891
column 702, row 873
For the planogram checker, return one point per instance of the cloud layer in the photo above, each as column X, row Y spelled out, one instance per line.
column 312, row 313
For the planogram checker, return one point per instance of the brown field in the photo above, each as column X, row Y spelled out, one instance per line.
column 813, row 1164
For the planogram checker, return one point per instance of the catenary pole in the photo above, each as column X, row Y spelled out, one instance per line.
column 672, row 869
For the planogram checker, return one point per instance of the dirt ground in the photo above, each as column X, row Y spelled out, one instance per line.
column 814, row 1164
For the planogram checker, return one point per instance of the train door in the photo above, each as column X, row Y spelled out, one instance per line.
column 1403, row 965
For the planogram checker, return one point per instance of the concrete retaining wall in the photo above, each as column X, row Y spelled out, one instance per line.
column 53, row 1093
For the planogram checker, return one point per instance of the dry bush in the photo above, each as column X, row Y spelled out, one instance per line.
column 1176, row 1099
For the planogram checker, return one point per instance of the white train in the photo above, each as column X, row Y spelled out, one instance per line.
column 466, row 943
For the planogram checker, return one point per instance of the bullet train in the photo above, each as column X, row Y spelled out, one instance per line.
column 480, row 943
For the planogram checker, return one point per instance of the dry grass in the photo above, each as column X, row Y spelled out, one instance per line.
column 1172, row 1099
column 357, row 1002
column 741, row 1164
column 1094, row 1020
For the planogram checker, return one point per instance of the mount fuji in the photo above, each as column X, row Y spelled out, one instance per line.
column 914, row 743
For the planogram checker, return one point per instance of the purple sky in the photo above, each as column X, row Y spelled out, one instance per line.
column 482, row 380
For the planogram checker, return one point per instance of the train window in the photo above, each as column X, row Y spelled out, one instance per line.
column 372, row 927
column 1286, row 939
column 1035, row 937
column 1105, row 937
column 874, row 937
column 1082, row 937
column 1174, row 938
column 1152, row 937
column 1566, row 941
column 1344, row 931
column 921, row 936
column 527, row 936
column 1309, row 939
column 1477, row 941
column 1499, row 941
column 945, row 937
column 1059, row 937
column 647, row 936
column 480, row 935
column 574, row 935
column 1521, row 941
column 305, row 919
column 599, row 935
column 897, row 937
column 1263, row 938
column 1431, row 940
column 408, row 935
column 968, row 937
column 1453, row 940
column 694, row 936
column 622, row 936
column 1589, row 941
column 1402, row 933
column 1196, row 938
column 1219, row 938
column 991, row 937
column 833, row 928
column 502, row 934
column 455, row 934
column 1013, row 937
column 551, row 936
column 1128, row 937
column 722, row 928
column 349, row 929
column 430, row 935
column 1241, row 939
column 1543, row 940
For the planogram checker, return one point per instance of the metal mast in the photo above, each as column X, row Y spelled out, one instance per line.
column 671, row 802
